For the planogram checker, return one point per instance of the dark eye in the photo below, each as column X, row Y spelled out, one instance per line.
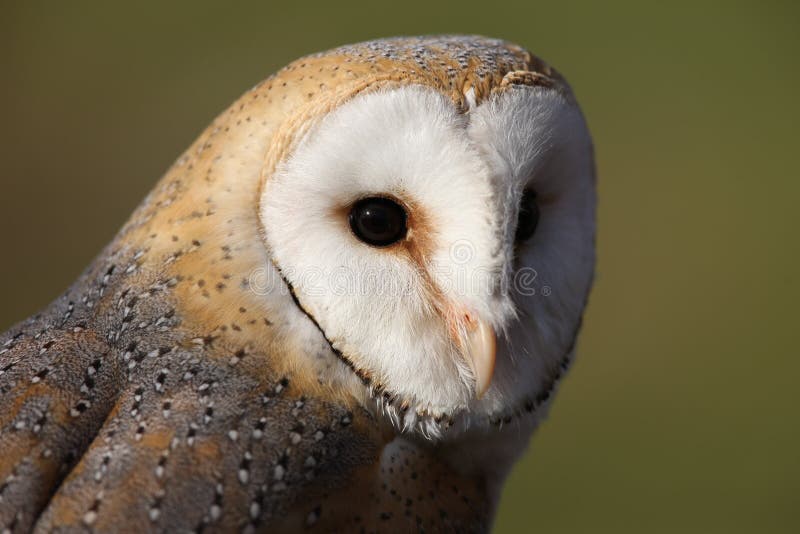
column 378, row 221
column 528, row 216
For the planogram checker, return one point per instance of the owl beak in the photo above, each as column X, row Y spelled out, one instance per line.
column 481, row 352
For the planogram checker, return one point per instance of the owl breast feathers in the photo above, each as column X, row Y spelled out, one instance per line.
column 345, row 307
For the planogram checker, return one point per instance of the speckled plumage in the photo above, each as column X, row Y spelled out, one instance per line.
column 160, row 393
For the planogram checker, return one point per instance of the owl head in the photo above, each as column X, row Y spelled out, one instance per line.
column 440, row 238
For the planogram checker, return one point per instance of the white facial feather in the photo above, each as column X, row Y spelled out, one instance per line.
column 532, row 138
column 463, row 175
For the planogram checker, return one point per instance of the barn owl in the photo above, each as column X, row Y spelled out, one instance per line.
column 346, row 307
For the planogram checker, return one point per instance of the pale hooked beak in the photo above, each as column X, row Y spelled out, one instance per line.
column 481, row 349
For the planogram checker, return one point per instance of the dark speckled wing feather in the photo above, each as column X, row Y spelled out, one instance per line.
column 147, row 429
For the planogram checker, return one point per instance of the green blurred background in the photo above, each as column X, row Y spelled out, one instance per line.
column 680, row 414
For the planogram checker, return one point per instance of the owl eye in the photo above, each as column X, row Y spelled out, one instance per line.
column 378, row 221
column 528, row 217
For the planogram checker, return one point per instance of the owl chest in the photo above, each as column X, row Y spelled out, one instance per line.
column 407, row 489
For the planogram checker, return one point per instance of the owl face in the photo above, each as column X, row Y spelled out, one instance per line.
column 445, row 254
